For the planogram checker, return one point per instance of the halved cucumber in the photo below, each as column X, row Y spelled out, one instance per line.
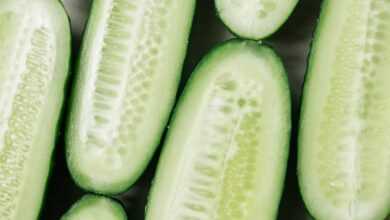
column 226, row 152
column 254, row 19
column 34, row 62
column 344, row 143
column 92, row 207
column 128, row 74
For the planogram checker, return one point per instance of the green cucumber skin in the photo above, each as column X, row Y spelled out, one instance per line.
column 63, row 110
column 59, row 129
column 80, row 179
column 242, row 36
column 63, row 23
column 308, row 79
column 91, row 200
column 192, row 85
column 62, row 117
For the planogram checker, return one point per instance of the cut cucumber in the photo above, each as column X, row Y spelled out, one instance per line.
column 226, row 151
column 34, row 62
column 254, row 19
column 127, row 79
column 92, row 207
column 344, row 143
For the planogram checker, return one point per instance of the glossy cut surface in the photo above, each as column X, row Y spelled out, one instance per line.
column 91, row 207
column 254, row 19
column 127, row 77
column 344, row 158
column 226, row 151
column 34, row 59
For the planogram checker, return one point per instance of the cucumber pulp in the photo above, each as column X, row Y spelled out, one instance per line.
column 254, row 19
column 92, row 207
column 35, row 53
column 128, row 74
column 226, row 150
column 344, row 156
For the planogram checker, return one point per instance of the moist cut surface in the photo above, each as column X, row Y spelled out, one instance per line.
column 226, row 151
column 127, row 78
column 345, row 152
column 33, row 69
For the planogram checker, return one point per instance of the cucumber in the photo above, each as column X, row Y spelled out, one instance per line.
column 254, row 19
column 127, row 77
column 344, row 145
column 34, row 61
column 92, row 207
column 226, row 152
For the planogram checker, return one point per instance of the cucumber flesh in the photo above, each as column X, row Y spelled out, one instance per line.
column 92, row 207
column 127, row 79
column 226, row 151
column 344, row 145
column 254, row 19
column 34, row 62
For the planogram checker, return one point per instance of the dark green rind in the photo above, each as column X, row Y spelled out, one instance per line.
column 238, row 35
column 192, row 81
column 82, row 181
column 91, row 200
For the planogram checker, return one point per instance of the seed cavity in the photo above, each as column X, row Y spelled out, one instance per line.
column 27, row 105
column 221, row 176
column 352, row 130
column 126, row 73
column 265, row 8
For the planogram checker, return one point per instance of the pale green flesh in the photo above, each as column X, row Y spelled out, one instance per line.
column 254, row 19
column 344, row 159
column 34, row 58
column 226, row 152
column 127, row 79
column 92, row 207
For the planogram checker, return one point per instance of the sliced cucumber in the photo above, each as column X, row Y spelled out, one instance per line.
column 226, row 152
column 92, row 207
column 128, row 74
column 254, row 19
column 34, row 62
column 344, row 143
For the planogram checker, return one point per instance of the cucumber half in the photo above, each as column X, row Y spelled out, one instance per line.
column 344, row 142
column 92, row 207
column 127, row 78
column 34, row 61
column 254, row 19
column 226, row 151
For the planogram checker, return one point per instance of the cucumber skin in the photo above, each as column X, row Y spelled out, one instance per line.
column 73, row 96
column 90, row 199
column 305, row 92
column 62, row 114
column 77, row 177
column 238, row 35
column 306, row 79
column 188, row 87
column 62, row 118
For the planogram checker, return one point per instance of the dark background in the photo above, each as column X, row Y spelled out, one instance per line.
column 292, row 42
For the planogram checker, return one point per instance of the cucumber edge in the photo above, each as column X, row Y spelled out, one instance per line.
column 81, row 180
column 188, row 86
